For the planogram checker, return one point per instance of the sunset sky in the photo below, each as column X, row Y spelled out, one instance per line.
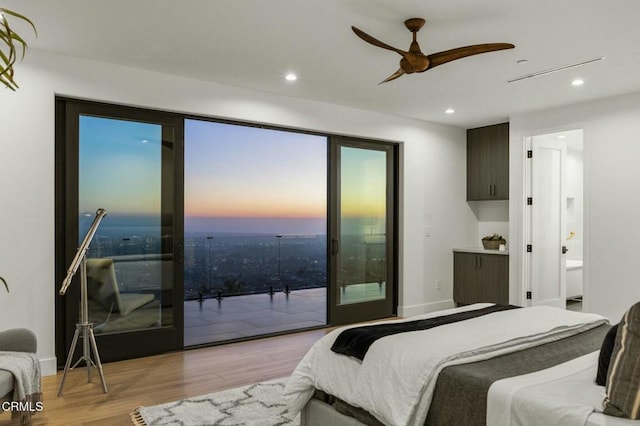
column 232, row 172
column 363, row 182
column 119, row 166
column 239, row 171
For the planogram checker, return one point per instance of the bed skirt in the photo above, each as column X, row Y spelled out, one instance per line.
column 319, row 413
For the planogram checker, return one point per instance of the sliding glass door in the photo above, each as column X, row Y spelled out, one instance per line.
column 125, row 161
column 363, row 230
column 218, row 231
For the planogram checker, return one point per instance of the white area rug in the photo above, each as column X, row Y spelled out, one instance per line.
column 260, row 404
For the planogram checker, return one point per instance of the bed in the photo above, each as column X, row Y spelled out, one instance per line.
column 499, row 367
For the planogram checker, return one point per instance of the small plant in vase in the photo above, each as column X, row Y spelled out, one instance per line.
column 493, row 242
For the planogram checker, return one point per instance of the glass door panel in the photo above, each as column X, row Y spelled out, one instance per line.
column 128, row 270
column 362, row 258
column 362, row 230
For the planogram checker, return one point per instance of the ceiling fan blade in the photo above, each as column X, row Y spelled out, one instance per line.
column 443, row 57
column 393, row 76
column 372, row 40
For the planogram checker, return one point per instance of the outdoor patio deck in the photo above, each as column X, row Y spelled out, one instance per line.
column 239, row 317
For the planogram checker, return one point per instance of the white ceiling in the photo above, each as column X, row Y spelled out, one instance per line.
column 254, row 43
column 572, row 138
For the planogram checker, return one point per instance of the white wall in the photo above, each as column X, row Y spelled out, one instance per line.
column 493, row 218
column 575, row 211
column 611, row 197
column 433, row 175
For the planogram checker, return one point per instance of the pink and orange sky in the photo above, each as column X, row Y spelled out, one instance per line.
column 231, row 172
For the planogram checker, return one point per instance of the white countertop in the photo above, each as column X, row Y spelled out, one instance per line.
column 481, row 250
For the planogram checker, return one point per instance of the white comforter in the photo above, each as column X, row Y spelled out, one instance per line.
column 395, row 381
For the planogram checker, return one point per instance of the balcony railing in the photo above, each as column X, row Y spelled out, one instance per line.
column 219, row 266
column 231, row 265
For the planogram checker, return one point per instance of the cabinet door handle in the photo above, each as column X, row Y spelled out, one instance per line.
column 479, row 262
column 489, row 190
column 493, row 187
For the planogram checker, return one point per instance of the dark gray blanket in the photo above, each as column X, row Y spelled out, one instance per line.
column 460, row 395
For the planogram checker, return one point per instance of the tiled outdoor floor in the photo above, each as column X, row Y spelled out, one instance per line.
column 251, row 315
column 239, row 317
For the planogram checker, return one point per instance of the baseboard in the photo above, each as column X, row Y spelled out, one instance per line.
column 425, row 308
column 48, row 366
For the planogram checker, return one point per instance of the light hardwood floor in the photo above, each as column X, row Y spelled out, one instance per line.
column 163, row 378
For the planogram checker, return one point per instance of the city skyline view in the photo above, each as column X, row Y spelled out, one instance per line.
column 254, row 222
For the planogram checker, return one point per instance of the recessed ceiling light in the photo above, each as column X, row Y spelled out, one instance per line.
column 450, row 111
column 291, row 77
column 577, row 82
column 562, row 136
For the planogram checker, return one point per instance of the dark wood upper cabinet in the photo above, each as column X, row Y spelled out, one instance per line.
column 488, row 163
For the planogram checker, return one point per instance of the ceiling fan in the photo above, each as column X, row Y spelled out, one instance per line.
column 416, row 61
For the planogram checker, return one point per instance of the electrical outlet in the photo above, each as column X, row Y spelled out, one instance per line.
column 438, row 285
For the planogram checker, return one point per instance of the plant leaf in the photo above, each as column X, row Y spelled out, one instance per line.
column 5, row 284
column 9, row 83
column 12, row 41
column 19, row 16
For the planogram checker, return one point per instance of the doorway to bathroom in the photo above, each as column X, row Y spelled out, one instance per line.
column 554, row 230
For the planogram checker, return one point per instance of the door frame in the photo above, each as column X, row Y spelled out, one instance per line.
column 112, row 347
column 523, row 283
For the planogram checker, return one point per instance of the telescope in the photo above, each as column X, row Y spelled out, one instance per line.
column 82, row 251
column 84, row 326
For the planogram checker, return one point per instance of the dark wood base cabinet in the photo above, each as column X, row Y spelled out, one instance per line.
column 480, row 278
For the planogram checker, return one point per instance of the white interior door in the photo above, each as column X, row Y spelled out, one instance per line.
column 547, row 221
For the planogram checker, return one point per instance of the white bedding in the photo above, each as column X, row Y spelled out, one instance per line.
column 565, row 394
column 395, row 381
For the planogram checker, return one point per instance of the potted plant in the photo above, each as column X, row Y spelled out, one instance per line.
column 492, row 242
column 10, row 43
